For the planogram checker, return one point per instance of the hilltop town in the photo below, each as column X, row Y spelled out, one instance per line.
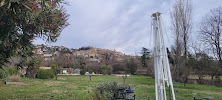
column 91, row 53
column 90, row 57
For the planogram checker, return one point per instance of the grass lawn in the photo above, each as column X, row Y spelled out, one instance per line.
column 80, row 88
column 206, row 77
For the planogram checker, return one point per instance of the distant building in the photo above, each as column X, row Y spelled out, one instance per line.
column 77, row 71
column 47, row 55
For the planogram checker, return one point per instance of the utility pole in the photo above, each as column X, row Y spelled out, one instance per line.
column 161, row 63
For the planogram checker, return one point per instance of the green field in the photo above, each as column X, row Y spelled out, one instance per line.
column 80, row 88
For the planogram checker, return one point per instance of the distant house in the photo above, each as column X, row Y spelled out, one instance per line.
column 38, row 51
column 44, row 67
column 47, row 55
column 67, row 71
column 94, row 60
column 77, row 71
column 64, row 71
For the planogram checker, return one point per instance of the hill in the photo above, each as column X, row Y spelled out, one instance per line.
column 92, row 53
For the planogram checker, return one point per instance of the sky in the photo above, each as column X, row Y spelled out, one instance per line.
column 121, row 25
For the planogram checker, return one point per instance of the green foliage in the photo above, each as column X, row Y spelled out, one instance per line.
column 9, row 73
column 202, row 64
column 106, row 70
column 106, row 91
column 90, row 71
column 56, row 69
column 12, row 71
column 217, row 81
column 21, row 21
column 34, row 63
column 45, row 74
column 3, row 74
column 83, row 69
column 33, row 67
column 145, row 56
column 131, row 66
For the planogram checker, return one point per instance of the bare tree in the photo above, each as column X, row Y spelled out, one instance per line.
column 178, row 61
column 181, row 17
column 107, row 58
column 210, row 32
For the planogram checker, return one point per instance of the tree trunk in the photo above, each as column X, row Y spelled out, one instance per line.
column 212, row 79
column 56, row 76
column 185, row 81
column 200, row 79
column 124, row 78
column 220, row 63
column 57, row 72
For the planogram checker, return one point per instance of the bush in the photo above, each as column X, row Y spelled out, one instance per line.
column 217, row 81
column 82, row 72
column 106, row 70
column 45, row 74
column 3, row 74
column 56, row 68
column 10, row 74
column 106, row 91
column 90, row 71
column 83, row 69
column 12, row 71
column 14, row 78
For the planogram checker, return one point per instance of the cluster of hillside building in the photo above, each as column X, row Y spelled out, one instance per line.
column 94, row 54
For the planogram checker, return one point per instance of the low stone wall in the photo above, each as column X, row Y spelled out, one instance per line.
column 14, row 83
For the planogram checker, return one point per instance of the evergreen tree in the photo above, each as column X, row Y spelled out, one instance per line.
column 145, row 56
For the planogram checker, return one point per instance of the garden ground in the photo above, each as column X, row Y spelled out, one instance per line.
column 81, row 88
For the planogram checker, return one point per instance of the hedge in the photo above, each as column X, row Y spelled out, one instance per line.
column 45, row 74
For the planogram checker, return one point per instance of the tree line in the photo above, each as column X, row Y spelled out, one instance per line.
column 201, row 56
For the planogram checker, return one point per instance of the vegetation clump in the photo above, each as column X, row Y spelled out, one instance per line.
column 45, row 74
column 106, row 70
column 3, row 74
column 108, row 90
column 83, row 69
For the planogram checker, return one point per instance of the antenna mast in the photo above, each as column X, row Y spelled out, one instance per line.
column 161, row 63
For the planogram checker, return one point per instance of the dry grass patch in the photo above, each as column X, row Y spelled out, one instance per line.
column 14, row 78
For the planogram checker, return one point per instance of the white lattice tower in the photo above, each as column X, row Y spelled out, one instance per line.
column 161, row 63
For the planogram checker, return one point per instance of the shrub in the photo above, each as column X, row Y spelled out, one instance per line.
column 14, row 78
column 3, row 74
column 106, row 91
column 12, row 71
column 90, row 71
column 83, row 69
column 56, row 69
column 10, row 74
column 45, row 74
column 217, row 81
column 82, row 72
column 106, row 70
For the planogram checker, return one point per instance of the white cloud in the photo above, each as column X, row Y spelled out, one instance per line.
column 123, row 25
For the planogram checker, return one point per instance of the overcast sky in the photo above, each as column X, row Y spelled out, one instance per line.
column 121, row 25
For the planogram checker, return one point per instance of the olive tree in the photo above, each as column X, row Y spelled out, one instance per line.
column 21, row 21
